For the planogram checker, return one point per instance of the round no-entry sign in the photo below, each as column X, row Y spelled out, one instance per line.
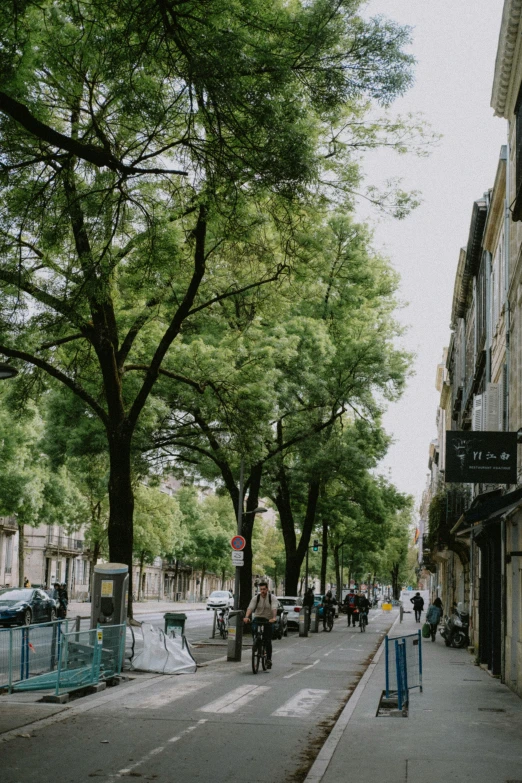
column 237, row 543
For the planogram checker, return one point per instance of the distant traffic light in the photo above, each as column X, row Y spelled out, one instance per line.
column 315, row 547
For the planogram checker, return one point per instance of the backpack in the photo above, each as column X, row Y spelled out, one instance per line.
column 351, row 600
column 418, row 602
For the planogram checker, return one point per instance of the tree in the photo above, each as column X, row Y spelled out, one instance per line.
column 157, row 526
column 29, row 488
column 132, row 135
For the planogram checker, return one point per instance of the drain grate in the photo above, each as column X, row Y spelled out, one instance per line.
column 491, row 709
column 466, row 680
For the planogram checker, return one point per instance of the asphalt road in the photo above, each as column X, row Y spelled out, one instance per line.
column 221, row 724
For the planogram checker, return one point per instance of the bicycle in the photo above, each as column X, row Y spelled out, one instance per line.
column 363, row 621
column 328, row 622
column 222, row 623
column 258, row 644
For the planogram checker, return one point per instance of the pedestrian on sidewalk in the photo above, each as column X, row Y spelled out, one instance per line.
column 432, row 617
column 418, row 606
column 351, row 607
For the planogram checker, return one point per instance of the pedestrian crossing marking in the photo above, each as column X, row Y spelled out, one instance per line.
column 302, row 704
column 236, row 699
column 177, row 691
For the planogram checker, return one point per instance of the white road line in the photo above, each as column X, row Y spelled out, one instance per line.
column 301, row 705
column 176, row 691
column 288, row 676
column 154, row 752
column 235, row 699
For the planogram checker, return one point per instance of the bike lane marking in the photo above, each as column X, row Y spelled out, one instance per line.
column 235, row 699
column 127, row 771
column 302, row 704
column 288, row 676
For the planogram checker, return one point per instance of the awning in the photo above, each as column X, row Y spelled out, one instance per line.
column 487, row 508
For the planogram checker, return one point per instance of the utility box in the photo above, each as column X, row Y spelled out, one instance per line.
column 235, row 635
column 304, row 616
column 314, row 620
column 175, row 621
column 110, row 583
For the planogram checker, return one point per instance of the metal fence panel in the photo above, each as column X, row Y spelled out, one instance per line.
column 40, row 657
column 413, row 661
column 29, row 651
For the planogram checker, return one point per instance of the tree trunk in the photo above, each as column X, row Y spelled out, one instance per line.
column 176, row 571
column 339, row 586
column 121, row 503
column 245, row 572
column 295, row 554
column 140, row 577
column 222, row 578
column 201, row 584
column 324, row 556
column 21, row 554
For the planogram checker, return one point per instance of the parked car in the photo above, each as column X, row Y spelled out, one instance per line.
column 292, row 605
column 26, row 605
column 281, row 624
column 220, row 599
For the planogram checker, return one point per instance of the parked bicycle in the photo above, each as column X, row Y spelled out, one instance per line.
column 222, row 623
column 259, row 655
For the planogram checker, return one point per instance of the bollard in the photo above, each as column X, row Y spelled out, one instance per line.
column 304, row 616
column 314, row 620
column 235, row 635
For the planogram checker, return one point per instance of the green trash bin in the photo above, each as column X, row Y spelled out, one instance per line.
column 175, row 621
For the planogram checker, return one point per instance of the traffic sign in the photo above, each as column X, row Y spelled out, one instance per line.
column 238, row 543
column 237, row 558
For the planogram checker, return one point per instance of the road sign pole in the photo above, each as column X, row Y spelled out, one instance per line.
column 239, row 528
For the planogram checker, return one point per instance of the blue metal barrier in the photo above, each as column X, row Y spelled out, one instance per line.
column 403, row 659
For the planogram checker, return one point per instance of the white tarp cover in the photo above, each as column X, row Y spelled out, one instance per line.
column 163, row 654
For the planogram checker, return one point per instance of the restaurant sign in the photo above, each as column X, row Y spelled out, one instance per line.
column 481, row 457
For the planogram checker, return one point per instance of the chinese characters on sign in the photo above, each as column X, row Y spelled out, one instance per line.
column 481, row 457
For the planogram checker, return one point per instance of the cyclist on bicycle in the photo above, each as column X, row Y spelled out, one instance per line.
column 264, row 604
column 328, row 604
column 364, row 607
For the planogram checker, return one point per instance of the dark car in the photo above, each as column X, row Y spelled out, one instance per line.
column 26, row 605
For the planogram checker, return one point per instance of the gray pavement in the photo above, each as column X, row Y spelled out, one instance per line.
column 464, row 726
column 201, row 726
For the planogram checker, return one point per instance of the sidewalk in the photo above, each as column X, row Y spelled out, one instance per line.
column 83, row 608
column 464, row 726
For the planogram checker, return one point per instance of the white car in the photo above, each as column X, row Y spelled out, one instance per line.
column 220, row 599
column 292, row 606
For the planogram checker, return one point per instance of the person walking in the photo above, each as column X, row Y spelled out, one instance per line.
column 351, row 605
column 432, row 617
column 418, row 606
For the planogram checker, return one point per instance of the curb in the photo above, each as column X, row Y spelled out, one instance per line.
column 321, row 763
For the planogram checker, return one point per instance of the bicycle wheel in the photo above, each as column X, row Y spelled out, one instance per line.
column 330, row 622
column 262, row 655
column 255, row 656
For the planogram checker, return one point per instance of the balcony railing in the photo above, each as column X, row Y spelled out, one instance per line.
column 64, row 543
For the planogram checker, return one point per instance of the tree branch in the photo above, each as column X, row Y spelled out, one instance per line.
column 60, row 376
column 98, row 156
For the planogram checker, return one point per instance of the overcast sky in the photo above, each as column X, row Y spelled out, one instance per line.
column 454, row 43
